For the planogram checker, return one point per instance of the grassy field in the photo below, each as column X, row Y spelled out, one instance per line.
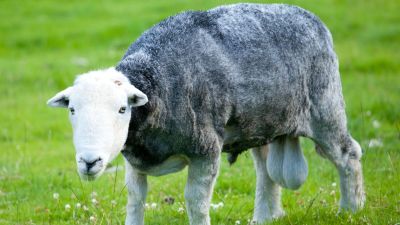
column 44, row 44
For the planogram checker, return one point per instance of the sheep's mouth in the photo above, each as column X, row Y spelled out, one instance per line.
column 90, row 176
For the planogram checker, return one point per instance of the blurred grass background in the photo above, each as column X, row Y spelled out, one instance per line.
column 44, row 44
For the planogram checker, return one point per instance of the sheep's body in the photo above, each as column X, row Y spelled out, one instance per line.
column 228, row 79
column 236, row 76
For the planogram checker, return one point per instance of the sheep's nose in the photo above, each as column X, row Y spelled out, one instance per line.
column 91, row 162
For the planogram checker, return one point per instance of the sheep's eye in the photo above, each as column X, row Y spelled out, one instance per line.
column 72, row 110
column 122, row 109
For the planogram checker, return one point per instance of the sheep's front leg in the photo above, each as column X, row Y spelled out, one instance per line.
column 201, row 178
column 137, row 191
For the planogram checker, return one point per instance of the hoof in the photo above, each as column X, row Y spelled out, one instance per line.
column 276, row 215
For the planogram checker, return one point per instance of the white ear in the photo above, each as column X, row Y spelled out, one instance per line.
column 60, row 99
column 135, row 96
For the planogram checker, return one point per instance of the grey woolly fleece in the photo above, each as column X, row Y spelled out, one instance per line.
column 232, row 78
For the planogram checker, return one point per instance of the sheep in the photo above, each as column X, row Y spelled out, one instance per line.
column 224, row 80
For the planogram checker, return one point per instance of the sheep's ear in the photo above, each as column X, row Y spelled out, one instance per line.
column 135, row 96
column 61, row 99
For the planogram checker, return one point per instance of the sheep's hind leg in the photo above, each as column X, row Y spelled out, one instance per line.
column 267, row 204
column 346, row 155
column 351, row 180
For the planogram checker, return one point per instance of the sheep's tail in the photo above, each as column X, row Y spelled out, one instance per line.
column 286, row 164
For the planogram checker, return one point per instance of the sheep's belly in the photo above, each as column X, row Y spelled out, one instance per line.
column 235, row 141
column 171, row 165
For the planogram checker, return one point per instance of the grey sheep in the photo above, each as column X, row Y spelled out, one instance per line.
column 224, row 80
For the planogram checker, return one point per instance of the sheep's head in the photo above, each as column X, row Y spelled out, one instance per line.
column 100, row 104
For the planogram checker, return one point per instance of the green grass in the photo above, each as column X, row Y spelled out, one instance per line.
column 44, row 44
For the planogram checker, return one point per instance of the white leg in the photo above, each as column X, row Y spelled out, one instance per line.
column 137, row 191
column 198, row 192
column 352, row 196
column 268, row 194
column 346, row 155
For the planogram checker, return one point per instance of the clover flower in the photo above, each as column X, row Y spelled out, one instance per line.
column 217, row 206
column 56, row 196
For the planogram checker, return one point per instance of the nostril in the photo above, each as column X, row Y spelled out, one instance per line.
column 90, row 164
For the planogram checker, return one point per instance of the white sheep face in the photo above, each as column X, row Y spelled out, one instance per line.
column 100, row 104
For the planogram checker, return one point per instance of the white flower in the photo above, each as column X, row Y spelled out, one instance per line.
column 93, row 194
column 94, row 201
column 332, row 192
column 334, row 184
column 376, row 124
column 181, row 210
column 67, row 207
column 237, row 222
column 217, row 206
column 56, row 196
column 152, row 205
column 92, row 218
column 78, row 205
column 85, row 208
column 375, row 143
column 113, row 202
